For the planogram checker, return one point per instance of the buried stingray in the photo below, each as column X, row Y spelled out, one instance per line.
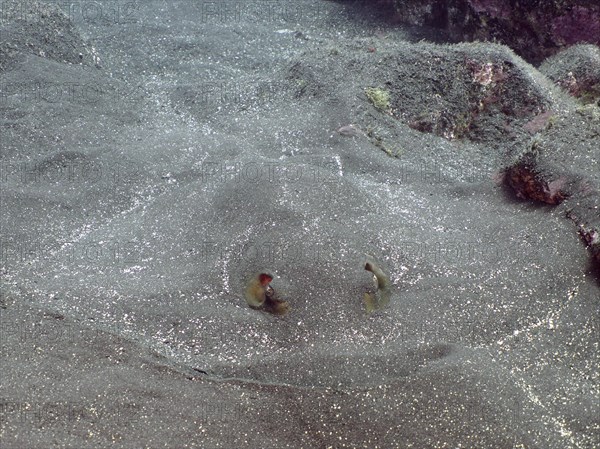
column 381, row 297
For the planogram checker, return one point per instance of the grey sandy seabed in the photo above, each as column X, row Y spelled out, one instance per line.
column 151, row 165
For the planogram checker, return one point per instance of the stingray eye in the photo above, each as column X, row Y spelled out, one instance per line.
column 265, row 278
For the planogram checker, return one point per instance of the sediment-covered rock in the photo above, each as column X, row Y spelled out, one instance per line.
column 576, row 70
column 534, row 29
column 42, row 29
column 561, row 167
